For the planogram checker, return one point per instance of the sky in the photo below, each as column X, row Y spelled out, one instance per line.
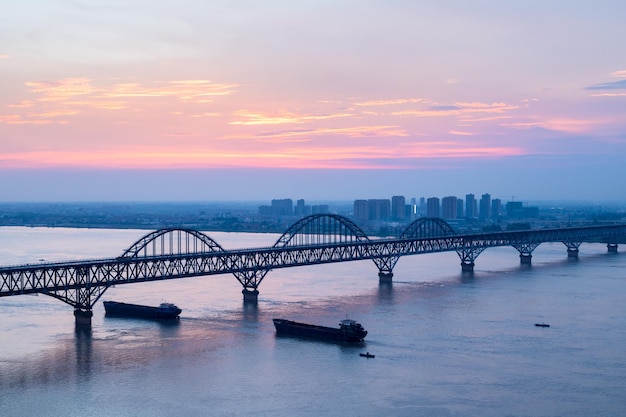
column 321, row 100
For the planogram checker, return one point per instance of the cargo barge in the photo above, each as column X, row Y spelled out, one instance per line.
column 165, row 311
column 348, row 331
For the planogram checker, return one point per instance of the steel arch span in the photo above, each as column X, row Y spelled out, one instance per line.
column 177, row 241
column 172, row 241
column 422, row 228
column 321, row 229
column 163, row 242
column 316, row 229
column 428, row 227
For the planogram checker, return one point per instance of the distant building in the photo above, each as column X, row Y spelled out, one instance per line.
column 496, row 208
column 422, row 208
column 432, row 207
column 470, row 206
column 514, row 210
column 398, row 207
column 282, row 207
column 485, row 207
column 320, row 209
column 361, row 211
column 459, row 208
column 448, row 207
column 379, row 209
column 412, row 209
column 301, row 209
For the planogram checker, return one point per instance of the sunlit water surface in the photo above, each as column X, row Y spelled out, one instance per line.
column 446, row 343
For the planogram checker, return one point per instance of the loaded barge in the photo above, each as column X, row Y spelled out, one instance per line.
column 165, row 311
column 348, row 331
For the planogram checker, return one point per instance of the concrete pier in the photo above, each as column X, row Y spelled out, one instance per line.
column 525, row 258
column 572, row 253
column 612, row 247
column 467, row 266
column 250, row 296
column 83, row 317
column 385, row 277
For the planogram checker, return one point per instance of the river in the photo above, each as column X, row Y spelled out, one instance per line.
column 446, row 343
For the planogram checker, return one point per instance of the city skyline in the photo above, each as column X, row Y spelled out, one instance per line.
column 325, row 101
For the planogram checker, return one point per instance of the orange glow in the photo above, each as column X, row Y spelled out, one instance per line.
column 199, row 123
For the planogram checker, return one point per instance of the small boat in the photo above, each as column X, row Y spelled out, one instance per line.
column 542, row 325
column 367, row 355
column 348, row 331
column 165, row 311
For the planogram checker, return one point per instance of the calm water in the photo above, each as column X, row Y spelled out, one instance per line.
column 446, row 343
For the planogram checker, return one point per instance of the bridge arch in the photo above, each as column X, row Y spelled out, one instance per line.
column 319, row 229
column 316, row 229
column 422, row 228
column 172, row 241
column 426, row 227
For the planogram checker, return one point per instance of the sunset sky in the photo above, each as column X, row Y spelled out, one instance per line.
column 322, row 100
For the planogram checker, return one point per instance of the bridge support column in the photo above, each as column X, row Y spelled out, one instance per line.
column 572, row 253
column 385, row 277
column 525, row 258
column 612, row 247
column 250, row 296
column 83, row 317
column 467, row 266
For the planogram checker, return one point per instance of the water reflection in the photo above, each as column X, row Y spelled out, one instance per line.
column 83, row 349
column 250, row 312
column 385, row 292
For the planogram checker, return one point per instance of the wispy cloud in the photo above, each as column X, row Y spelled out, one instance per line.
column 72, row 96
column 614, row 85
column 460, row 133
column 609, row 95
column 389, row 102
column 457, row 109
column 285, row 117
column 354, row 131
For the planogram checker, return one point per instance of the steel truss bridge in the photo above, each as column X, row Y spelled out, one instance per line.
column 318, row 239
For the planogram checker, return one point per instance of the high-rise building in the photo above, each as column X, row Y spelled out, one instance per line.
column 496, row 208
column 300, row 208
column 514, row 209
column 283, row 207
column 412, row 211
column 398, row 207
column 485, row 207
column 432, row 207
column 470, row 206
column 448, row 207
column 423, row 209
column 459, row 208
column 361, row 210
column 379, row 209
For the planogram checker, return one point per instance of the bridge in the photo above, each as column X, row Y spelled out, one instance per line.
column 318, row 239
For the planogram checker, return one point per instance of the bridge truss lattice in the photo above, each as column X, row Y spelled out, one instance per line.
column 317, row 239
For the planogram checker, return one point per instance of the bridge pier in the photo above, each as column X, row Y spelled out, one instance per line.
column 572, row 253
column 525, row 258
column 250, row 296
column 612, row 247
column 467, row 266
column 385, row 277
column 83, row 317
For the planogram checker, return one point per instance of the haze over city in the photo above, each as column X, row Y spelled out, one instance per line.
column 244, row 100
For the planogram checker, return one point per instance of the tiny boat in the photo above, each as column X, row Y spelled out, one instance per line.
column 367, row 355
column 542, row 325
